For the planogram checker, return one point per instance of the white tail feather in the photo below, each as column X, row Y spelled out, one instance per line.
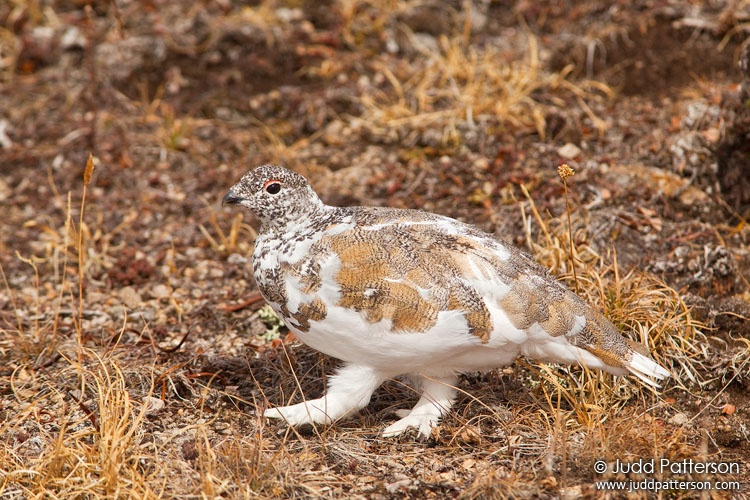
column 647, row 369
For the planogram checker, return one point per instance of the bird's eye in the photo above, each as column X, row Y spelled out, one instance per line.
column 272, row 187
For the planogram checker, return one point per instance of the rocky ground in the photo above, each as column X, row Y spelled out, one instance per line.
column 133, row 356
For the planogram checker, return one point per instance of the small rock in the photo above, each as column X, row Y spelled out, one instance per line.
column 569, row 151
column 679, row 419
column 119, row 59
column 130, row 297
column 161, row 291
column 5, row 140
column 286, row 15
column 148, row 315
column 477, row 17
column 482, row 164
column 72, row 38
column 333, row 134
column 153, row 405
column 398, row 486
column 93, row 297
column 236, row 258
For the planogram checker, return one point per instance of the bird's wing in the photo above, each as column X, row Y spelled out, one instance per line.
column 409, row 271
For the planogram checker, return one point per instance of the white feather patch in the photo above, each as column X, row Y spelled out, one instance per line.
column 647, row 369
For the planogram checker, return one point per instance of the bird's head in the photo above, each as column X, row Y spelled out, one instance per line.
column 275, row 195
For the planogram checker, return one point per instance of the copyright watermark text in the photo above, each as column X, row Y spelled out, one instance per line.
column 666, row 467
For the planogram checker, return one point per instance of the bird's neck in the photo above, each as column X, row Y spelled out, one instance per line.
column 300, row 219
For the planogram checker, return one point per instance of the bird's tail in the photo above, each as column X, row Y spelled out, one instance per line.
column 642, row 366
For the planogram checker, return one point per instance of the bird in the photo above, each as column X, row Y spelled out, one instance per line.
column 406, row 293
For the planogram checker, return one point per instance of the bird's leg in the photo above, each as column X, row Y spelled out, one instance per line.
column 437, row 397
column 349, row 390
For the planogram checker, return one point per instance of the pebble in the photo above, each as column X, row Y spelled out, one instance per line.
column 679, row 419
column 161, row 291
column 236, row 258
column 130, row 297
column 569, row 151
column 153, row 405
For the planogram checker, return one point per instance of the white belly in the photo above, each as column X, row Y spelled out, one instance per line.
column 447, row 347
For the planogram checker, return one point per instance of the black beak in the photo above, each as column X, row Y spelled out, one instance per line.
column 231, row 198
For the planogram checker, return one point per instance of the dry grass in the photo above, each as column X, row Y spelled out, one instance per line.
column 640, row 304
column 83, row 436
column 456, row 87
column 76, row 443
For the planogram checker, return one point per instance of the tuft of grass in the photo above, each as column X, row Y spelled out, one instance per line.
column 174, row 132
column 640, row 304
column 38, row 336
column 30, row 333
column 589, row 414
column 91, row 450
column 459, row 86
column 227, row 242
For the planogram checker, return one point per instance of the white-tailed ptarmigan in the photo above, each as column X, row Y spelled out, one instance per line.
column 401, row 292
